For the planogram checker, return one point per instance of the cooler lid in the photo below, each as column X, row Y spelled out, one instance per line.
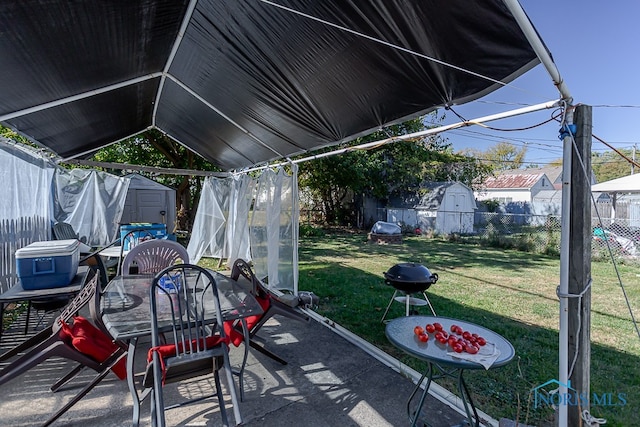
column 49, row 248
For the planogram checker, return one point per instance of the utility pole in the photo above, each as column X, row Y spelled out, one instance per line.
column 634, row 160
column 579, row 308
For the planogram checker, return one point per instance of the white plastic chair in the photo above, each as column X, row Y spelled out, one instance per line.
column 152, row 256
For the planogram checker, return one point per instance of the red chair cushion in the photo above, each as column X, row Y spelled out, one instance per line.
column 89, row 340
column 236, row 337
column 169, row 350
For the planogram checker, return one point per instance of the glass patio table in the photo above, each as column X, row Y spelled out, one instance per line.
column 440, row 361
column 125, row 311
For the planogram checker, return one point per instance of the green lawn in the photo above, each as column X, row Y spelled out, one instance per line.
column 511, row 292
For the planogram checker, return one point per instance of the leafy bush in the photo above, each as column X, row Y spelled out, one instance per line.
column 310, row 231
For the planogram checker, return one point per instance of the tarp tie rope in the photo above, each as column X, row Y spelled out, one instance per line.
column 591, row 420
column 579, row 296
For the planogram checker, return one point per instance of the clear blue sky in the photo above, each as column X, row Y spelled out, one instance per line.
column 594, row 43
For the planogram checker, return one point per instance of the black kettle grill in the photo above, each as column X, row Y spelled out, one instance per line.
column 409, row 278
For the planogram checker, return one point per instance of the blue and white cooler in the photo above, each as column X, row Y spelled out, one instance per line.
column 48, row 264
column 141, row 231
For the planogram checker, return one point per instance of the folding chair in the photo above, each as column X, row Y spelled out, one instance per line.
column 64, row 230
column 80, row 341
column 271, row 305
column 198, row 346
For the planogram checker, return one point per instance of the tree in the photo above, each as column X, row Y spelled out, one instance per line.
column 11, row 134
column 335, row 182
column 504, row 156
column 153, row 148
column 611, row 165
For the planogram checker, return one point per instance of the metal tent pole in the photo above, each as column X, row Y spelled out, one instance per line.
column 530, row 109
column 544, row 56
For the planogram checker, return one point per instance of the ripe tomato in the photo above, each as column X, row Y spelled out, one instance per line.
column 481, row 341
column 466, row 335
column 423, row 337
column 438, row 326
column 418, row 330
column 471, row 349
column 453, row 328
column 430, row 328
column 457, row 347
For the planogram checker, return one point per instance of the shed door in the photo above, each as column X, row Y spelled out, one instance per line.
column 454, row 205
column 145, row 206
column 149, row 205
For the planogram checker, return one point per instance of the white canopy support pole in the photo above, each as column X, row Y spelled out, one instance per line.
column 226, row 117
column 172, row 55
column 153, row 169
column 544, row 106
column 544, row 56
column 538, row 46
column 77, row 97
column 84, row 153
column 563, row 290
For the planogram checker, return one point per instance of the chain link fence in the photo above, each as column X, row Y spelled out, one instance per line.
column 541, row 234
column 531, row 233
column 526, row 232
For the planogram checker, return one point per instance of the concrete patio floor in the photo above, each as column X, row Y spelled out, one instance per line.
column 328, row 381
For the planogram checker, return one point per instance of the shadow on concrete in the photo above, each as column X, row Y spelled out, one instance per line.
column 328, row 382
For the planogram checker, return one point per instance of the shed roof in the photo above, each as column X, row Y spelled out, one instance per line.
column 242, row 82
column 138, row 182
column 436, row 193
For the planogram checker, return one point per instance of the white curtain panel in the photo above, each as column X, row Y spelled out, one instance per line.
column 25, row 211
column 91, row 201
column 26, row 183
column 274, row 229
column 255, row 219
column 210, row 223
column 238, row 242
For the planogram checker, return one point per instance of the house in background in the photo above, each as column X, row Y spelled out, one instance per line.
column 534, row 191
column 518, row 185
column 446, row 208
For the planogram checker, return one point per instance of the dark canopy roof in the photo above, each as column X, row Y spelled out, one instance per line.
column 241, row 82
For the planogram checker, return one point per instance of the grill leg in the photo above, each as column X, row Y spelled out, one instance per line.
column 426, row 298
column 407, row 303
column 389, row 306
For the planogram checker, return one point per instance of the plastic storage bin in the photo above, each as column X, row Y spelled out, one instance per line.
column 158, row 231
column 48, row 264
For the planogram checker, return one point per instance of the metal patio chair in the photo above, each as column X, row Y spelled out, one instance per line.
column 271, row 305
column 74, row 338
column 197, row 344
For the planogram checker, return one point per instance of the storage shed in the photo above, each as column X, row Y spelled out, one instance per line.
column 447, row 207
column 149, row 201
